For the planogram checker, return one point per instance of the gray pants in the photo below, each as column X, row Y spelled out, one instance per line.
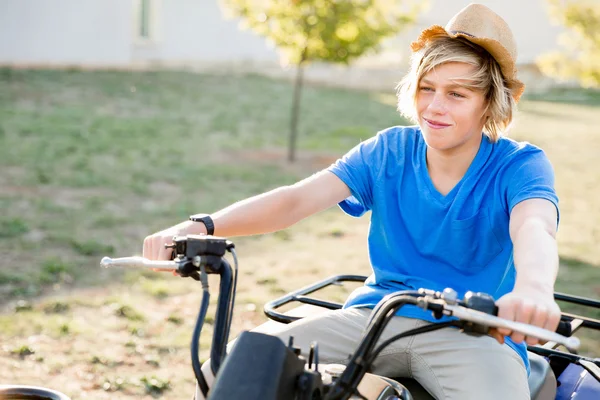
column 449, row 364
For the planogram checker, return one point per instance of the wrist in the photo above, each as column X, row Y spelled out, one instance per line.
column 534, row 286
column 190, row 228
column 195, row 228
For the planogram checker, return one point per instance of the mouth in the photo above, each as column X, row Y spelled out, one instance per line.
column 435, row 124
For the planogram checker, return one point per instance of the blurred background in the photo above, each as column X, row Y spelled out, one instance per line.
column 120, row 118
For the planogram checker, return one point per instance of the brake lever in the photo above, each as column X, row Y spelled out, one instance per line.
column 478, row 317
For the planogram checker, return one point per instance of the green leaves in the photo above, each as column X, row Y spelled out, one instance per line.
column 336, row 31
column 580, row 57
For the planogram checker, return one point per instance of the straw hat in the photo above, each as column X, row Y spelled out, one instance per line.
column 480, row 25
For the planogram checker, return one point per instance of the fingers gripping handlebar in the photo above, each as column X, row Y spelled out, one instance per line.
column 190, row 253
column 478, row 312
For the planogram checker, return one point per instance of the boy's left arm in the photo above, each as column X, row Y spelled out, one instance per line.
column 533, row 233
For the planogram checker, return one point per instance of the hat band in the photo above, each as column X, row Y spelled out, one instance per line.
column 463, row 33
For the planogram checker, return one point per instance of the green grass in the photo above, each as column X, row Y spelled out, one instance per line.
column 126, row 311
column 12, row 228
column 86, row 156
column 23, row 351
column 92, row 162
column 54, row 270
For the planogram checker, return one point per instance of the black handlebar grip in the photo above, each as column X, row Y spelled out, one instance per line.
column 564, row 328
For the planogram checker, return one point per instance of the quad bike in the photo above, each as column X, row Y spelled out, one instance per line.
column 262, row 367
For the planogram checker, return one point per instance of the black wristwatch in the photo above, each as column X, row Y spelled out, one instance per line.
column 206, row 220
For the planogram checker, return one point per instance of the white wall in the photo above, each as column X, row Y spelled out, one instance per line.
column 88, row 32
column 195, row 31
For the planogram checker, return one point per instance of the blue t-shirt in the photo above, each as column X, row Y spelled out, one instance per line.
column 419, row 238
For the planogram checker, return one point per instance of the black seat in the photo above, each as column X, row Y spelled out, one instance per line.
column 542, row 382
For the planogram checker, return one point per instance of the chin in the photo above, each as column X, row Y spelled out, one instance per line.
column 438, row 139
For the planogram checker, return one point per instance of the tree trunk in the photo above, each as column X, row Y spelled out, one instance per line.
column 295, row 112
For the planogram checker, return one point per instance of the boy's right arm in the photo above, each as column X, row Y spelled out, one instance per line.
column 267, row 212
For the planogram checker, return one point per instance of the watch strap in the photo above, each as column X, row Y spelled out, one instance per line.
column 206, row 220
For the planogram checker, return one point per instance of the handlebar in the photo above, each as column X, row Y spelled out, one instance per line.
column 141, row 262
column 197, row 256
column 461, row 312
column 449, row 305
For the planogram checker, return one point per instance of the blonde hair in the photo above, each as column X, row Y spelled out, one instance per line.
column 487, row 79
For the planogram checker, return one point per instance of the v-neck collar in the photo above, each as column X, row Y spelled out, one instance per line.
column 477, row 162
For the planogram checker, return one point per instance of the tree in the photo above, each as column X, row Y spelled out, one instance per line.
column 580, row 58
column 335, row 31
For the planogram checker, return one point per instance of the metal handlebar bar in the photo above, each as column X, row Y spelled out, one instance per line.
column 141, row 262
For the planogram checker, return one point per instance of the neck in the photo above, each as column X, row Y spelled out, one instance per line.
column 452, row 163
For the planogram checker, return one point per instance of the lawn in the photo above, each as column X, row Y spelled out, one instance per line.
column 92, row 162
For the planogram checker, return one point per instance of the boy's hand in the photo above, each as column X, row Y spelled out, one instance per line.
column 154, row 245
column 530, row 306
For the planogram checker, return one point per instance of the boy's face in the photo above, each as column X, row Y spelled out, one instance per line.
column 450, row 115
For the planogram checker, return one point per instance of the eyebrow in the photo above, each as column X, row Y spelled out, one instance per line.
column 450, row 86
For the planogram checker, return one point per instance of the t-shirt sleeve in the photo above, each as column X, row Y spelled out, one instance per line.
column 530, row 176
column 359, row 169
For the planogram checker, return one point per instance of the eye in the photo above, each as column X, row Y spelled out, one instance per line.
column 457, row 95
column 425, row 89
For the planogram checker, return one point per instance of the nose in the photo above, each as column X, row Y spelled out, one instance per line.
column 437, row 104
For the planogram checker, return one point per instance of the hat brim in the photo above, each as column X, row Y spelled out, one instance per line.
column 499, row 52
